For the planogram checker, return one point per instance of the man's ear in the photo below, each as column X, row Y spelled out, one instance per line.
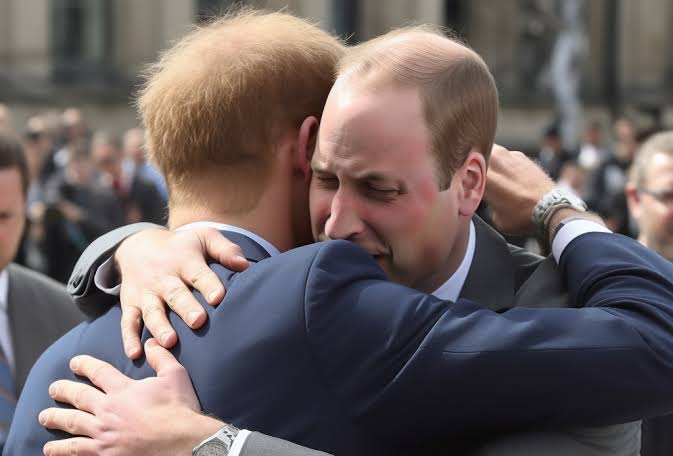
column 472, row 180
column 306, row 142
column 632, row 199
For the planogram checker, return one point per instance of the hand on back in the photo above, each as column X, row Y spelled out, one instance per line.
column 161, row 267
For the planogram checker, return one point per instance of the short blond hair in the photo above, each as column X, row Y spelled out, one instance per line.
column 457, row 90
column 660, row 143
column 221, row 98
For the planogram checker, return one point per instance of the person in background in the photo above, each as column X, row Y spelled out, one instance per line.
column 77, row 210
column 573, row 177
column 650, row 198
column 5, row 118
column 139, row 198
column 605, row 190
column 135, row 161
column 592, row 150
column 73, row 133
column 34, row 310
column 552, row 156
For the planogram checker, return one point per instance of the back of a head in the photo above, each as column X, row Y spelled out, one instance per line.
column 458, row 93
column 222, row 97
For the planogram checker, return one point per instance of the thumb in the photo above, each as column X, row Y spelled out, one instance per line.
column 162, row 361
column 223, row 250
column 168, row 368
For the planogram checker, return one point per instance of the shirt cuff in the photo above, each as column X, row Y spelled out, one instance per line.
column 572, row 230
column 105, row 277
column 240, row 439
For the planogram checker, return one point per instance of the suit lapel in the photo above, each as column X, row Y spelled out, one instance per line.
column 25, row 325
column 490, row 280
column 498, row 280
column 544, row 287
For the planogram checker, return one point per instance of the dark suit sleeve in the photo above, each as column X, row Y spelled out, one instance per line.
column 81, row 287
column 402, row 361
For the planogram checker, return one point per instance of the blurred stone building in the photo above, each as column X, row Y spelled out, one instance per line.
column 89, row 53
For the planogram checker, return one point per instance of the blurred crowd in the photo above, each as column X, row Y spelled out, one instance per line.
column 82, row 183
column 599, row 170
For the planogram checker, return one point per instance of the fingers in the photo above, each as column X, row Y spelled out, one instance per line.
column 168, row 368
column 198, row 274
column 223, row 250
column 81, row 395
column 161, row 360
column 131, row 324
column 101, row 374
column 75, row 422
column 155, row 318
column 77, row 446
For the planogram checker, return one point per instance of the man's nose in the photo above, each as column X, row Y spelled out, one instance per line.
column 343, row 221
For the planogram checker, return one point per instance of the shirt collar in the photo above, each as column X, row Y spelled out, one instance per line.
column 4, row 290
column 450, row 290
column 266, row 245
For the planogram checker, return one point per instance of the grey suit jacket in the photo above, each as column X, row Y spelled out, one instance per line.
column 528, row 280
column 40, row 311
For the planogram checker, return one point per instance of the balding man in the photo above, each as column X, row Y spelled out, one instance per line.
column 34, row 310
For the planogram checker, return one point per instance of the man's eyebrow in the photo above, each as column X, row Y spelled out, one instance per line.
column 372, row 176
column 376, row 176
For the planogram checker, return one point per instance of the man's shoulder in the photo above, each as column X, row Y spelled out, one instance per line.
column 338, row 252
column 36, row 280
column 305, row 270
column 26, row 435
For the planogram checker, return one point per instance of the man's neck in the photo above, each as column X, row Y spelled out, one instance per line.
column 452, row 288
column 452, row 263
column 262, row 224
column 269, row 219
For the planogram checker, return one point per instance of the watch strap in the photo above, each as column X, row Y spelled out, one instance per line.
column 226, row 436
column 553, row 201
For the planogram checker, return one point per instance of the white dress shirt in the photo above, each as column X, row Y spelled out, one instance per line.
column 5, row 330
column 449, row 290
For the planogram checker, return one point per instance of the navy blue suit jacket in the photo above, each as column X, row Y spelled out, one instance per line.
column 317, row 347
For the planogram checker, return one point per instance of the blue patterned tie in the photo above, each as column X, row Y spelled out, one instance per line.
column 7, row 397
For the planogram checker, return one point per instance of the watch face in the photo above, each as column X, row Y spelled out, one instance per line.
column 212, row 448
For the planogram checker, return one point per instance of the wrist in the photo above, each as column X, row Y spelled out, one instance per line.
column 556, row 205
column 196, row 429
column 220, row 443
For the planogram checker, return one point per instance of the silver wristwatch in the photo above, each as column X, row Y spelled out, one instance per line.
column 217, row 444
column 552, row 201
